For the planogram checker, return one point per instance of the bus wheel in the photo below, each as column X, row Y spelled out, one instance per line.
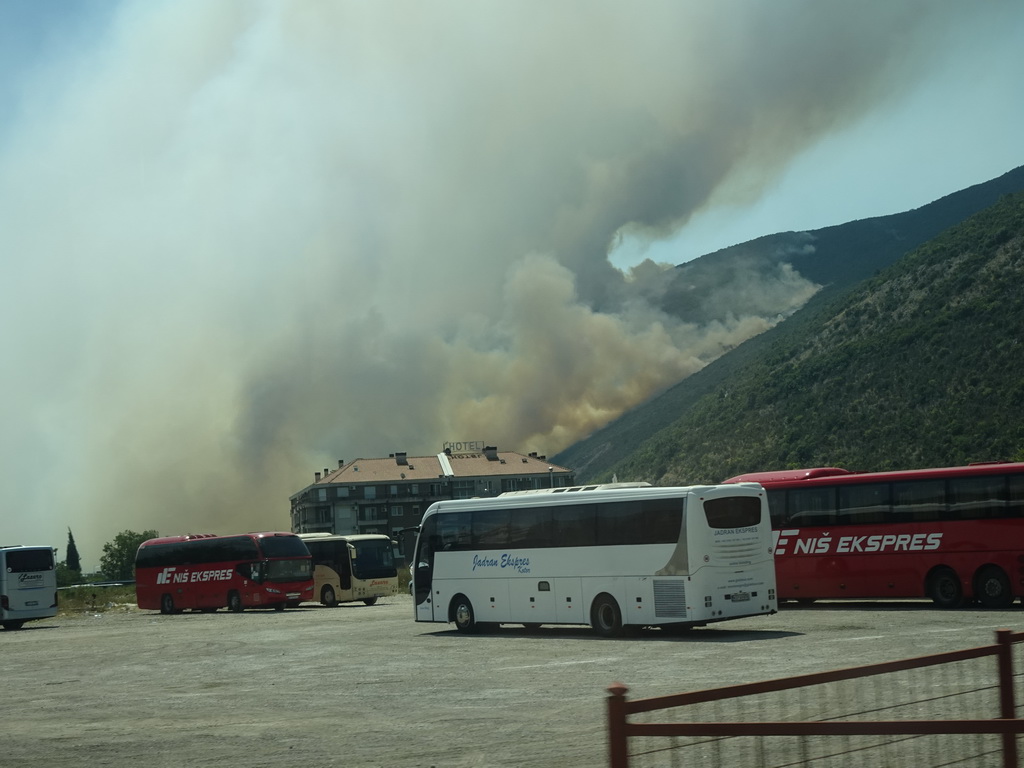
column 235, row 602
column 370, row 600
column 605, row 616
column 166, row 605
column 944, row 588
column 462, row 613
column 327, row 596
column 992, row 588
column 13, row 624
column 532, row 626
column 278, row 606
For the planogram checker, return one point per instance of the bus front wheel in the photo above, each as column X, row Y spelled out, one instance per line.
column 235, row 602
column 327, row 596
column 370, row 600
column 166, row 605
column 944, row 588
column 462, row 614
column 13, row 624
column 605, row 616
column 992, row 588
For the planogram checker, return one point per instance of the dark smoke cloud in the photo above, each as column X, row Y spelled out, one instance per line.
column 244, row 239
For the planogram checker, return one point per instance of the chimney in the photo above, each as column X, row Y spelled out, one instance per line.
column 400, row 458
column 316, row 477
column 491, row 452
column 326, row 472
column 341, row 463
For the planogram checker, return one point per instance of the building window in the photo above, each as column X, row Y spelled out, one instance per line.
column 370, row 492
column 397, row 510
column 414, row 489
column 463, row 489
column 342, row 491
column 321, row 494
column 394, row 490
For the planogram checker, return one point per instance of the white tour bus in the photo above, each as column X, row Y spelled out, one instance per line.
column 607, row 556
column 28, row 585
column 350, row 568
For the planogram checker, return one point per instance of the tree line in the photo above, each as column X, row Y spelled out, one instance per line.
column 116, row 564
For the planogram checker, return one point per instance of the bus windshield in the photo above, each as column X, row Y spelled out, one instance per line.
column 373, row 560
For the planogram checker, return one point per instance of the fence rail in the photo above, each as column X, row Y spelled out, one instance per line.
column 946, row 702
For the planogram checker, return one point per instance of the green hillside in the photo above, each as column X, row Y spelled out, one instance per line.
column 838, row 257
column 922, row 365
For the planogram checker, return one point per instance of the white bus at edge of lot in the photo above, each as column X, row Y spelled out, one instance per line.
column 28, row 585
column 352, row 567
column 611, row 557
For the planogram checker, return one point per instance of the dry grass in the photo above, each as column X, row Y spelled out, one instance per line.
column 94, row 598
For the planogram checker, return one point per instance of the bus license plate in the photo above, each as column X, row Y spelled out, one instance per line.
column 739, row 597
column 32, row 602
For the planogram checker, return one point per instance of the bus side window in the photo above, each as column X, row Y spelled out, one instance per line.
column 811, row 506
column 971, row 498
column 1015, row 507
column 777, row 507
column 530, row 527
column 455, row 532
column 491, row 529
column 864, row 503
column 919, row 501
column 574, row 525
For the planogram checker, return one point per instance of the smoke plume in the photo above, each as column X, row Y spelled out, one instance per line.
column 244, row 239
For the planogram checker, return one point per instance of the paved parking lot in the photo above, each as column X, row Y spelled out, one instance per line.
column 367, row 686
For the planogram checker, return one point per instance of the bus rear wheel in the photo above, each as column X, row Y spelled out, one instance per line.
column 235, row 602
column 327, row 596
column 605, row 616
column 944, row 588
column 13, row 624
column 370, row 600
column 992, row 588
column 166, row 605
column 463, row 616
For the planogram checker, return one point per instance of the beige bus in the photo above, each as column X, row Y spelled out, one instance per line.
column 352, row 568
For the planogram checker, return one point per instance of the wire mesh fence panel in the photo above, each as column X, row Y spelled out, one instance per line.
column 960, row 690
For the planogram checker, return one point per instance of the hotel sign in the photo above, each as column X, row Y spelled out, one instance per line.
column 465, row 446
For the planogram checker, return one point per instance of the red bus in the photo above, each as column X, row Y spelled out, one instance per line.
column 954, row 534
column 205, row 572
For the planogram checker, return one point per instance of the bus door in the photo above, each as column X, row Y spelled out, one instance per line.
column 423, row 569
column 345, row 554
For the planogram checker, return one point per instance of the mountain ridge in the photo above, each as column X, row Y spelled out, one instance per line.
column 843, row 257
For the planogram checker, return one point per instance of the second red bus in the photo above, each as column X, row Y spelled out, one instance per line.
column 205, row 572
column 952, row 534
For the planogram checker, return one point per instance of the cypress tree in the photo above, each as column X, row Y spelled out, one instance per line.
column 72, row 561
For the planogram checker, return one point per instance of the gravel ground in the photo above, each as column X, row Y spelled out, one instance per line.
column 367, row 686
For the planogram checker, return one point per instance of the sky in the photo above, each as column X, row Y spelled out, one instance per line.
column 241, row 240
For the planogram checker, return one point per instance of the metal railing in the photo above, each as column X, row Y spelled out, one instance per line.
column 923, row 711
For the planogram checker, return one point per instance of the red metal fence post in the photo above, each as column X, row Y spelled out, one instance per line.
column 618, row 752
column 1007, row 706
